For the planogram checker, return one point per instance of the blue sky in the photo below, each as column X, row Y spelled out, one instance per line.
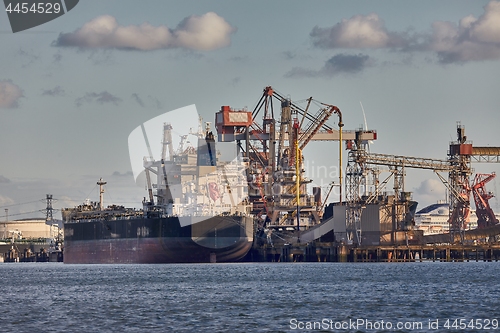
column 73, row 89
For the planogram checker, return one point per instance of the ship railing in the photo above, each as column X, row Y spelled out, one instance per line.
column 105, row 218
column 198, row 214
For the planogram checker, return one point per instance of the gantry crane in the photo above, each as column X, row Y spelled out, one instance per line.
column 458, row 166
column 358, row 166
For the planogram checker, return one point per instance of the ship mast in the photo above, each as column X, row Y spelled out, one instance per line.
column 167, row 142
column 101, row 184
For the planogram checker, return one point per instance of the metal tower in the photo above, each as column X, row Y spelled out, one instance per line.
column 49, row 210
column 459, row 179
column 355, row 176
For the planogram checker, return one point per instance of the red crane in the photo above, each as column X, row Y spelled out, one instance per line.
column 485, row 215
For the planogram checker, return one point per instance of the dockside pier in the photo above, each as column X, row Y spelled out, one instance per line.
column 333, row 252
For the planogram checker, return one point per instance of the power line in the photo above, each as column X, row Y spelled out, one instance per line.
column 17, row 214
column 22, row 203
column 88, row 195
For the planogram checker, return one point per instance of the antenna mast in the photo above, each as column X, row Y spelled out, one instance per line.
column 101, row 183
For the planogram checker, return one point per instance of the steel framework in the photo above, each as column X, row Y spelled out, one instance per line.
column 458, row 165
column 485, row 215
column 355, row 177
column 273, row 141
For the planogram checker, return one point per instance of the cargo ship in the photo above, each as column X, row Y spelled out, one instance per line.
column 201, row 213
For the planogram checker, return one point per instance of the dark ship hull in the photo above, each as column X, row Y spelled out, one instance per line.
column 158, row 240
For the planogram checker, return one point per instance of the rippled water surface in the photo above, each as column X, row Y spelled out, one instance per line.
column 248, row 297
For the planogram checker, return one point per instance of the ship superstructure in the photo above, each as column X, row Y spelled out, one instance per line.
column 201, row 214
column 195, row 183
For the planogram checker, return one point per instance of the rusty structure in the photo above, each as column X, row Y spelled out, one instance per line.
column 485, row 215
column 360, row 166
column 272, row 138
column 461, row 154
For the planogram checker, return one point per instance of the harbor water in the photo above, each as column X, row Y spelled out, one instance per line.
column 251, row 297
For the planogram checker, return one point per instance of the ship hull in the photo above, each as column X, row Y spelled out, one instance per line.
column 158, row 240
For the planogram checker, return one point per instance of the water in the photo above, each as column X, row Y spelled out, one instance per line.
column 248, row 297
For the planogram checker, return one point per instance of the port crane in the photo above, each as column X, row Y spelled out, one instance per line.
column 272, row 138
column 360, row 165
column 458, row 166
column 461, row 155
column 485, row 215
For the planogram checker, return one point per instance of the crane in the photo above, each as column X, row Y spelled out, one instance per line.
column 485, row 215
column 273, row 143
column 458, row 166
column 319, row 121
column 180, row 150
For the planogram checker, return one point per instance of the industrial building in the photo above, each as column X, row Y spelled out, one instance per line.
column 25, row 229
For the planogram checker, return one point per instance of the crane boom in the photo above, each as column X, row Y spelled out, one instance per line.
column 316, row 124
column 485, row 215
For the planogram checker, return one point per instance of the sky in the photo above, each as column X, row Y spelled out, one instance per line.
column 73, row 89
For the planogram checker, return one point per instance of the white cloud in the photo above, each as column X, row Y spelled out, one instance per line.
column 430, row 191
column 431, row 187
column 10, row 94
column 360, row 31
column 487, row 27
column 205, row 32
column 474, row 39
